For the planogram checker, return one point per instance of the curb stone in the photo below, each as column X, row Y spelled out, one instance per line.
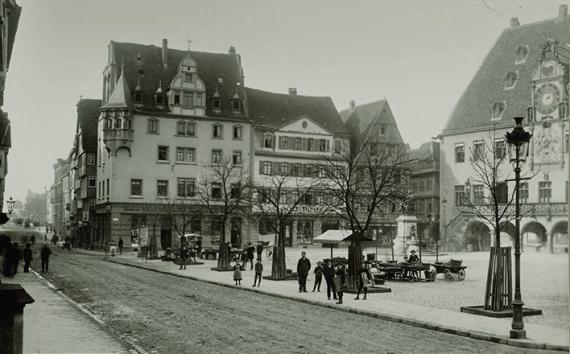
column 406, row 321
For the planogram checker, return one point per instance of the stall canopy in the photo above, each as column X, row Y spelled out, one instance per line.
column 334, row 236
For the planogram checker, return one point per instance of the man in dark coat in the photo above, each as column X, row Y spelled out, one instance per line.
column 328, row 272
column 259, row 249
column 44, row 254
column 250, row 253
column 27, row 258
column 120, row 245
column 303, row 267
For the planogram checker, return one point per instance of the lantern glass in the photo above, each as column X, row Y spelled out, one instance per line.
column 522, row 148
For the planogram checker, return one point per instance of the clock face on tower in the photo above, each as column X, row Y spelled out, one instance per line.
column 547, row 98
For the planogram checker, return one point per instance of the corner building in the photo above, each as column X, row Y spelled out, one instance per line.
column 526, row 74
column 166, row 114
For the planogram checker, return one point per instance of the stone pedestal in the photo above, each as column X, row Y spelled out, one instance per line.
column 406, row 237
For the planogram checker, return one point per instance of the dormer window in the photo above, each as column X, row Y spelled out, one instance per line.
column 236, row 105
column 217, row 103
column 511, row 80
column 177, row 98
column 198, row 100
column 268, row 141
column 159, row 99
column 188, row 77
column 498, row 110
column 138, row 97
column 522, row 54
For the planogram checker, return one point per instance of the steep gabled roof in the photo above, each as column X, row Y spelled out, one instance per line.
column 121, row 96
column 87, row 116
column 367, row 115
column 474, row 108
column 426, row 151
column 149, row 71
column 5, row 131
column 276, row 109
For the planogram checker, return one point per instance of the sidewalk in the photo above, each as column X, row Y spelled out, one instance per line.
column 485, row 328
column 52, row 324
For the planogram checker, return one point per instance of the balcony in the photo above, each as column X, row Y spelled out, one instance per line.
column 116, row 139
column 425, row 166
column 530, row 209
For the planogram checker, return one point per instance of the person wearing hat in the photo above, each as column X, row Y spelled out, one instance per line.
column 413, row 260
column 318, row 276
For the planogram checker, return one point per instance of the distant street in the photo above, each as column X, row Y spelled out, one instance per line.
column 167, row 314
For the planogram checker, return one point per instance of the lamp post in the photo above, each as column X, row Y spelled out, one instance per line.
column 518, row 140
column 11, row 203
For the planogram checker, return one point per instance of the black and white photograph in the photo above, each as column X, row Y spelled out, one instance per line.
column 284, row 176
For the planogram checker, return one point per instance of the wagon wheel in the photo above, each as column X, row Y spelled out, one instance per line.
column 461, row 274
column 447, row 274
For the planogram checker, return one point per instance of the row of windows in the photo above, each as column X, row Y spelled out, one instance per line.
column 300, row 144
column 478, row 193
column 188, row 128
column 187, row 99
column 185, row 188
column 188, row 154
column 479, row 147
column 271, row 168
column 422, row 185
column 292, row 197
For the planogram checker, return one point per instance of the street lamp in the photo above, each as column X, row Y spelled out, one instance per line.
column 518, row 151
column 11, row 203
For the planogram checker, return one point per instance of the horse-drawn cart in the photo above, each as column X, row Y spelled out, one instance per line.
column 451, row 270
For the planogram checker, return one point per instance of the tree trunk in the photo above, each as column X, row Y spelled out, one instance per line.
column 224, row 249
column 354, row 260
column 278, row 264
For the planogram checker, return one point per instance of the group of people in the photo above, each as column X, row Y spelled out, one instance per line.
column 335, row 278
column 247, row 256
column 12, row 254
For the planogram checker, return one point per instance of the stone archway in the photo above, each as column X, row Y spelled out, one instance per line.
column 534, row 235
column 559, row 235
column 477, row 236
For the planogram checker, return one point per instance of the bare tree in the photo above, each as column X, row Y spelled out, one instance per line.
column 487, row 197
column 178, row 212
column 366, row 182
column 224, row 190
column 277, row 199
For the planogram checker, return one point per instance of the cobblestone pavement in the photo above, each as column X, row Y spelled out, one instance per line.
column 544, row 283
column 167, row 314
column 53, row 325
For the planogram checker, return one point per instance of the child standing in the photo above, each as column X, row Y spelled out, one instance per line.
column 258, row 271
column 318, row 276
column 237, row 274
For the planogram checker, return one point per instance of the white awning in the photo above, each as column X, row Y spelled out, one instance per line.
column 333, row 236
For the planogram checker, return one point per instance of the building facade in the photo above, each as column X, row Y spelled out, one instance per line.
column 525, row 74
column 293, row 134
column 166, row 116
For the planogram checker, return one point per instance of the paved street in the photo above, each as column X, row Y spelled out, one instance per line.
column 171, row 315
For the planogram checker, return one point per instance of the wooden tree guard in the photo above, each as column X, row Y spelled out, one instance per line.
column 278, row 269
column 499, row 291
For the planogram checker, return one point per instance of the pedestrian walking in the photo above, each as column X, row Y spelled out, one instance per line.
column 44, row 255
column 250, row 254
column 259, row 249
column 340, row 281
column 318, row 276
column 303, row 267
column 237, row 274
column 10, row 260
column 328, row 272
column 183, row 257
column 120, row 245
column 363, row 281
column 15, row 257
column 258, row 272
column 27, row 257
column 243, row 258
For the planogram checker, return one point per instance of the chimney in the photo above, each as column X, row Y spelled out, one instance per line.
column 562, row 11
column 352, row 104
column 515, row 22
column 165, row 53
column 293, row 91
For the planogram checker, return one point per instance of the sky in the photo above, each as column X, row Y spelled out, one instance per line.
column 419, row 55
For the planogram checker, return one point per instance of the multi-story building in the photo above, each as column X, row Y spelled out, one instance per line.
column 424, row 185
column 526, row 74
column 292, row 134
column 9, row 17
column 59, row 197
column 84, row 162
column 373, row 123
column 166, row 116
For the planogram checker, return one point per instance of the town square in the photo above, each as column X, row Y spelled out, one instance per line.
column 284, row 176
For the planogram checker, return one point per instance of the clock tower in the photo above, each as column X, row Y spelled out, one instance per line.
column 549, row 112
